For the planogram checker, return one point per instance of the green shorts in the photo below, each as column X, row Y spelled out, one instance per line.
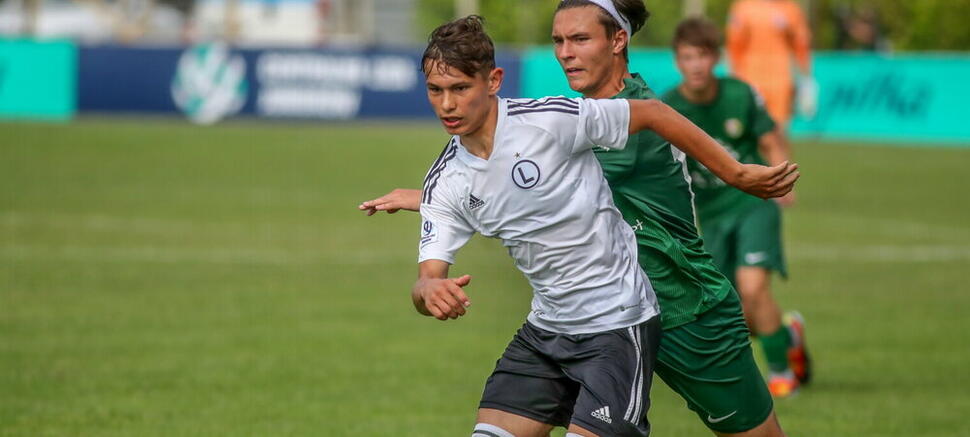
column 751, row 238
column 710, row 364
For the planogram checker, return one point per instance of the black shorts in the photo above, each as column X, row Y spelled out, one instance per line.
column 598, row 381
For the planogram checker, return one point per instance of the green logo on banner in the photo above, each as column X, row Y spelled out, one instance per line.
column 210, row 83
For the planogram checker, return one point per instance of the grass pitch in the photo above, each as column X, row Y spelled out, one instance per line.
column 163, row 279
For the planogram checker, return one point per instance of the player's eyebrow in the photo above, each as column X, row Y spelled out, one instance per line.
column 560, row 37
column 463, row 83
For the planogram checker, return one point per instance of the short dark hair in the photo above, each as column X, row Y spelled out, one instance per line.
column 697, row 32
column 461, row 44
column 633, row 10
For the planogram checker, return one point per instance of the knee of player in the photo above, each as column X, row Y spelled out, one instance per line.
column 753, row 279
column 752, row 291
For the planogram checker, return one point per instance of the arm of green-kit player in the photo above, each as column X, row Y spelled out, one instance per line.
column 775, row 149
column 435, row 294
column 398, row 199
column 757, row 180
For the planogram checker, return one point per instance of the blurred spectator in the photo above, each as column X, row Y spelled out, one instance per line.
column 859, row 29
column 323, row 16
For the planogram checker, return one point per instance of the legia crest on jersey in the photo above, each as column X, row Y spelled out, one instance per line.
column 526, row 174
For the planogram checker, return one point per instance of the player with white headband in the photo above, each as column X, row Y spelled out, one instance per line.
column 610, row 8
column 705, row 355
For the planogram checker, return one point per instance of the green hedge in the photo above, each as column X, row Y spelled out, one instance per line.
column 905, row 24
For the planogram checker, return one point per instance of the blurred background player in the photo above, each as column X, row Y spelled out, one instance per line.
column 764, row 39
column 742, row 232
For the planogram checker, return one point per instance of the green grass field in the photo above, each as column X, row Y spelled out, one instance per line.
column 163, row 279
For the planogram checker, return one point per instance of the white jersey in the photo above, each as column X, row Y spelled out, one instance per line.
column 543, row 193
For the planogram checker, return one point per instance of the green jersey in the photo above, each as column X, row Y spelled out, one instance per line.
column 651, row 189
column 737, row 119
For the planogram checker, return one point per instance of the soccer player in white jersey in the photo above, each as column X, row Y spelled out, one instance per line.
column 523, row 171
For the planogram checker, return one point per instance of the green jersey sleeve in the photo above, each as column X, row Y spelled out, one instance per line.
column 761, row 122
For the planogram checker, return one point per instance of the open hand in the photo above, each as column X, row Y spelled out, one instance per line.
column 392, row 202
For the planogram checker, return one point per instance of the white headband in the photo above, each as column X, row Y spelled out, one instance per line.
column 608, row 5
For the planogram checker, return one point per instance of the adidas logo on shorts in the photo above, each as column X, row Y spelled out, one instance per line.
column 603, row 414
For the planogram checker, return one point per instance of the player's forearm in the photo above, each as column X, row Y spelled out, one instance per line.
column 774, row 148
column 686, row 136
column 408, row 199
column 803, row 59
column 803, row 49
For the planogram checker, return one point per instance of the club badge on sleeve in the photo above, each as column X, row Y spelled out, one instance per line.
column 429, row 232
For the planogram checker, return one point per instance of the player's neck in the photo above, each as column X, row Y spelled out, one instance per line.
column 703, row 95
column 481, row 141
column 614, row 84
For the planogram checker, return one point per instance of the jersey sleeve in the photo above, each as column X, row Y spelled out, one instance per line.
column 761, row 123
column 604, row 123
column 443, row 229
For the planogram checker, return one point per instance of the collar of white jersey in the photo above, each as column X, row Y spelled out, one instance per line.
column 478, row 163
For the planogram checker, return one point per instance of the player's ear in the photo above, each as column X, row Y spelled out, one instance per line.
column 620, row 41
column 495, row 80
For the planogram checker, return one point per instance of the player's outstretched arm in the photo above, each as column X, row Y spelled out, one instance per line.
column 397, row 199
column 757, row 180
column 436, row 295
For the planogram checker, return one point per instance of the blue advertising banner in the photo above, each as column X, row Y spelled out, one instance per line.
column 213, row 81
column 37, row 79
column 913, row 98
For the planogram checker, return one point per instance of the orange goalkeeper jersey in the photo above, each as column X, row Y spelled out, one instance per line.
column 763, row 38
